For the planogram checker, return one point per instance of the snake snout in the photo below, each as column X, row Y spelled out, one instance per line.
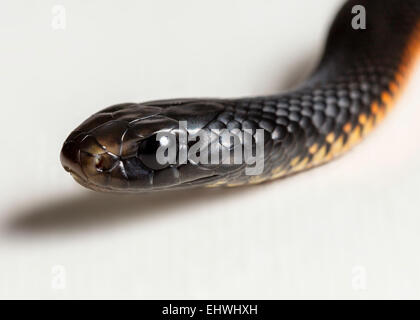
column 93, row 165
column 70, row 159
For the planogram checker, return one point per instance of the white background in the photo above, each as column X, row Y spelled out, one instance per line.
column 350, row 229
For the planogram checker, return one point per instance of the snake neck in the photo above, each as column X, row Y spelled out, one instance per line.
column 361, row 74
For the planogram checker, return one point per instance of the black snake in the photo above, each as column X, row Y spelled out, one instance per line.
column 355, row 84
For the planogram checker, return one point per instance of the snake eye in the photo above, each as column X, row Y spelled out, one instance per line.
column 148, row 149
column 105, row 162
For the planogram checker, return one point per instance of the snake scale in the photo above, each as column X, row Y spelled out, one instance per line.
column 360, row 75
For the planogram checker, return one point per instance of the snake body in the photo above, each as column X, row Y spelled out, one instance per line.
column 355, row 84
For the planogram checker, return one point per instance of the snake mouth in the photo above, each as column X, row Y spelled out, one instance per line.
column 82, row 180
column 97, row 168
column 72, row 159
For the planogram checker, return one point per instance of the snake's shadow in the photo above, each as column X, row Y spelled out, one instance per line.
column 92, row 210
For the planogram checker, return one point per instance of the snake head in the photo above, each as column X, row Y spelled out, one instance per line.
column 116, row 149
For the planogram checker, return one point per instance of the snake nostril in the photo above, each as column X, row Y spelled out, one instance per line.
column 99, row 163
column 105, row 162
